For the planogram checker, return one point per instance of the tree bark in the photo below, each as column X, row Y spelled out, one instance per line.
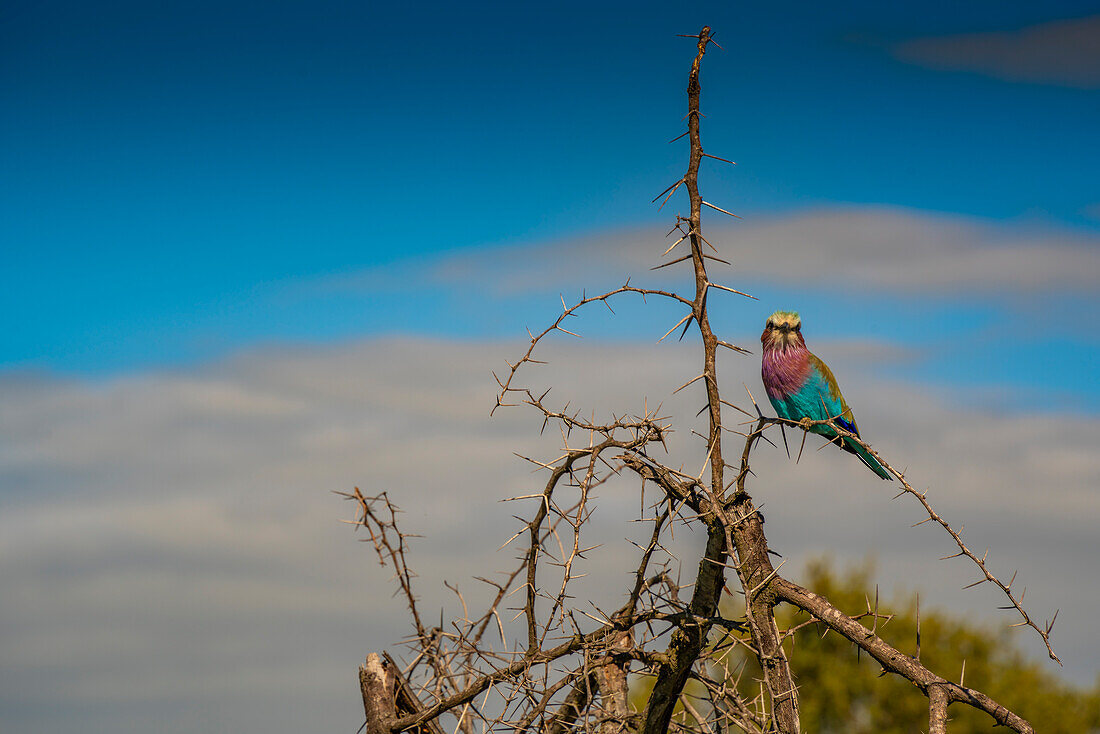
column 376, row 683
column 612, row 681
column 937, row 710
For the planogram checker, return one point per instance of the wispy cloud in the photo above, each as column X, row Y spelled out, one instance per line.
column 1061, row 52
column 169, row 543
column 872, row 248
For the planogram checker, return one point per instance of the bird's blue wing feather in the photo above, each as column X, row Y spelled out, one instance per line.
column 847, row 425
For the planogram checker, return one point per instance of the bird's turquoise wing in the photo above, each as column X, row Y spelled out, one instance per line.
column 820, row 399
column 829, row 399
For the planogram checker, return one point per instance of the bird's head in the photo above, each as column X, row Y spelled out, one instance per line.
column 782, row 329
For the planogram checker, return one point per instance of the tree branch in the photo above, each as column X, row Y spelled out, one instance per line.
column 895, row 661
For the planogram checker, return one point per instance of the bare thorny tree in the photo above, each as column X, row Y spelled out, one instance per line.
column 570, row 670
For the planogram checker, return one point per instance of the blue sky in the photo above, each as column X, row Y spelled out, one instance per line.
column 255, row 252
column 168, row 171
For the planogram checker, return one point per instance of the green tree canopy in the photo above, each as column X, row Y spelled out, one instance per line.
column 842, row 692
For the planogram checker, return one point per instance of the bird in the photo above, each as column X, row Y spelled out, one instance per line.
column 802, row 388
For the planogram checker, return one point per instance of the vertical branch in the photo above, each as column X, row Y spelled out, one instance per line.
column 937, row 710
column 745, row 536
column 724, row 536
column 612, row 677
column 699, row 306
column 755, row 571
column 376, row 684
column 689, row 639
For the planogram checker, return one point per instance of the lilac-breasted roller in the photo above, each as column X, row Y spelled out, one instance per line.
column 800, row 386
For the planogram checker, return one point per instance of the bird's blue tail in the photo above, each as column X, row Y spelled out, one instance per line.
column 866, row 458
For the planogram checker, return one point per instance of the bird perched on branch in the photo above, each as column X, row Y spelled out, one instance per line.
column 802, row 388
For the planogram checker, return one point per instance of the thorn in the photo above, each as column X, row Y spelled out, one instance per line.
column 675, row 186
column 672, row 262
column 693, row 379
column 718, row 208
column 673, row 245
column 685, row 331
column 719, row 158
column 733, row 348
column 686, row 318
column 671, row 187
column 704, row 239
column 737, row 408
column 732, row 290
column 753, row 400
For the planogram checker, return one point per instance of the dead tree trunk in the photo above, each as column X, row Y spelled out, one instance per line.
column 376, row 683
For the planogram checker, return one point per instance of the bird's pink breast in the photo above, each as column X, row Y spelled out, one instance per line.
column 784, row 371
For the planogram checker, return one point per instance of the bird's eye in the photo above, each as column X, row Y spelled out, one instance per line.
column 798, row 327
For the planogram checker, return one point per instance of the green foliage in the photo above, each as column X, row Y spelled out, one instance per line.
column 842, row 692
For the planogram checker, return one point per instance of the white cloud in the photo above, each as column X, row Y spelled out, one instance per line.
column 169, row 541
column 862, row 247
column 1061, row 52
column 911, row 251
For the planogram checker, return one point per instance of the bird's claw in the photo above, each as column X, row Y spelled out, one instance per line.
column 806, row 423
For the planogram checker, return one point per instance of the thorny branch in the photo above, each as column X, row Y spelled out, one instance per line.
column 553, row 664
column 922, row 497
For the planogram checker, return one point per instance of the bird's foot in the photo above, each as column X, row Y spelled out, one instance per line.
column 806, row 423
